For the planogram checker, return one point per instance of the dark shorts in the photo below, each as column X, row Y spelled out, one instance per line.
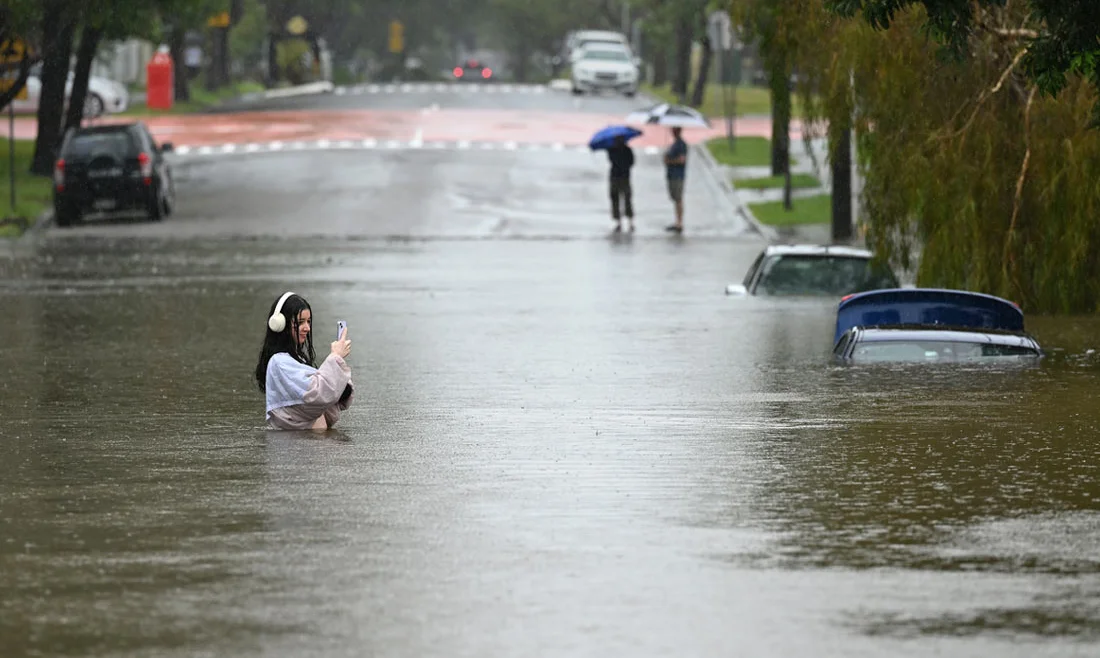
column 676, row 189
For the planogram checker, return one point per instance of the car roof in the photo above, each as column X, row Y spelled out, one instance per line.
column 934, row 307
column 815, row 250
column 897, row 334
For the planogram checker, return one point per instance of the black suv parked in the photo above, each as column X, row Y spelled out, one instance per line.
column 112, row 169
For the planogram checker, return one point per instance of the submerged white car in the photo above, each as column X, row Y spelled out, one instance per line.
column 605, row 69
column 104, row 96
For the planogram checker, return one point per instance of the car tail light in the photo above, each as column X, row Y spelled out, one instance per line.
column 458, row 71
column 847, row 297
column 146, row 168
column 59, row 175
column 487, row 73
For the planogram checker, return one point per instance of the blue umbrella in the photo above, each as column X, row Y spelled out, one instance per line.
column 606, row 138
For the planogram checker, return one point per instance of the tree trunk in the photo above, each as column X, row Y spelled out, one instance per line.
column 841, row 159
column 660, row 66
column 522, row 58
column 57, row 33
column 85, row 55
column 177, row 46
column 698, row 95
column 779, row 80
column 683, row 59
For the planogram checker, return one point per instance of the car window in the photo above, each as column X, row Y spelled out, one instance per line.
column 752, row 270
column 794, row 274
column 118, row 144
column 606, row 55
column 938, row 351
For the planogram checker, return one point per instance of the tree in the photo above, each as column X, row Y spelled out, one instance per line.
column 967, row 163
column 58, row 26
column 1062, row 42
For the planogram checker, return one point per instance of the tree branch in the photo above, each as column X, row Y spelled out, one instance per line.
column 986, row 95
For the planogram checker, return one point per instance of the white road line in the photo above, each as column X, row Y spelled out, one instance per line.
column 393, row 144
column 182, row 150
column 340, row 91
column 229, row 148
column 324, row 143
column 373, row 89
column 416, row 143
column 418, row 138
column 463, row 145
column 345, row 144
column 369, row 143
column 510, row 146
column 275, row 146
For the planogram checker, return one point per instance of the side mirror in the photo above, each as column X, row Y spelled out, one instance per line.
column 736, row 290
column 167, row 147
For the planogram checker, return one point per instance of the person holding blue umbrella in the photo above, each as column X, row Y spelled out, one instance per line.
column 621, row 156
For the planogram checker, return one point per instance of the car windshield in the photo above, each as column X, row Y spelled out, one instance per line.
column 938, row 351
column 822, row 275
column 606, row 55
column 116, row 144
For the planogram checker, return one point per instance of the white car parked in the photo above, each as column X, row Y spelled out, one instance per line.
column 604, row 69
column 104, row 96
column 578, row 41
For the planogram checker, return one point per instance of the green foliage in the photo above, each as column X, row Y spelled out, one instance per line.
column 33, row 194
column 247, row 37
column 798, row 181
column 1064, row 41
column 943, row 150
column 747, row 151
column 807, row 210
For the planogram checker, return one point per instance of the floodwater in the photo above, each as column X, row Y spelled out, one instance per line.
column 574, row 447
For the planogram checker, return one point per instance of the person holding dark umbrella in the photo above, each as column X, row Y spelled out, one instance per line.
column 614, row 139
column 621, row 157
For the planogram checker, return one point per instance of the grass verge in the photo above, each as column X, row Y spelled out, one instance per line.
column 201, row 99
column 798, row 181
column 746, row 152
column 747, row 101
column 33, row 194
column 809, row 210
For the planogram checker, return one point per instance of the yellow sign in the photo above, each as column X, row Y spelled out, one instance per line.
column 218, row 20
column 297, row 26
column 7, row 82
column 397, row 37
column 12, row 53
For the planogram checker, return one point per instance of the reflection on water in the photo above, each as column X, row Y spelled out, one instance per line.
column 571, row 436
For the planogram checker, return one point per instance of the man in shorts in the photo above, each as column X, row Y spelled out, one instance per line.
column 675, row 168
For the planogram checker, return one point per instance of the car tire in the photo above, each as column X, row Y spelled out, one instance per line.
column 65, row 218
column 577, row 91
column 93, row 106
column 629, row 94
column 156, row 208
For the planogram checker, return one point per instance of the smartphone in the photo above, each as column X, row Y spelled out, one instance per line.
column 341, row 326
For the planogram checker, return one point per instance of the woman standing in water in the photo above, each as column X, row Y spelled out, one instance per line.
column 299, row 395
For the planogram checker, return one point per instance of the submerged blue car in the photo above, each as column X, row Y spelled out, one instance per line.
column 930, row 325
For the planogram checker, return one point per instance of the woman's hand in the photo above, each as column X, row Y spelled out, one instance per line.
column 342, row 347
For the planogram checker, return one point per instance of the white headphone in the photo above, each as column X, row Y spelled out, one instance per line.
column 277, row 321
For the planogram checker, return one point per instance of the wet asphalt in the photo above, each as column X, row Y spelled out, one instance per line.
column 565, row 442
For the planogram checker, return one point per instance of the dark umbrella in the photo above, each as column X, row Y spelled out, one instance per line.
column 605, row 138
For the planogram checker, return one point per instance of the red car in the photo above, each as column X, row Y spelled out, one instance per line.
column 472, row 70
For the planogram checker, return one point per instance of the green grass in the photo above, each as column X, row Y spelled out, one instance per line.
column 798, row 181
column 747, row 151
column 33, row 194
column 747, row 101
column 201, row 99
column 810, row 210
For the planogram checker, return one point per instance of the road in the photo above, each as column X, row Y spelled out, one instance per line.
column 564, row 442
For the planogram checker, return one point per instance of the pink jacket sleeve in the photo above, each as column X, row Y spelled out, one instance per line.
column 326, row 390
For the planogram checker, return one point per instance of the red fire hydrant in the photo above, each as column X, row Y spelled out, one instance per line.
column 159, row 81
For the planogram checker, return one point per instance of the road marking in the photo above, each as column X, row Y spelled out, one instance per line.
column 416, row 143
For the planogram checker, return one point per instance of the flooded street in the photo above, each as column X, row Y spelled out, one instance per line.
column 562, row 443
column 575, row 446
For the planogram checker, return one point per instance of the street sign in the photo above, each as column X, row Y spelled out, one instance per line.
column 218, row 20
column 12, row 52
column 718, row 29
column 397, row 37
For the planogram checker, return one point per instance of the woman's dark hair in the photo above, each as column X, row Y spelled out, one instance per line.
column 284, row 341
